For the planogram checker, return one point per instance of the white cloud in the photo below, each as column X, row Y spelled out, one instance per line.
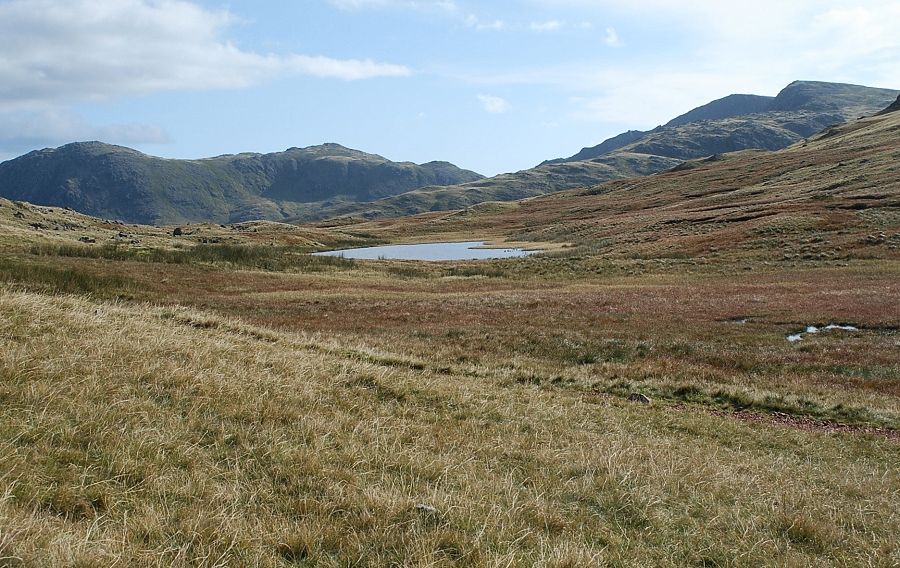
column 637, row 96
column 717, row 48
column 53, row 127
column 60, row 52
column 612, row 38
column 474, row 22
column 494, row 104
column 548, row 26
column 54, row 54
column 440, row 5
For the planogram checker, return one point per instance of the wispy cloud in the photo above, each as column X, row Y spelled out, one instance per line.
column 612, row 38
column 474, row 22
column 442, row 5
column 94, row 49
column 55, row 54
column 548, row 26
column 467, row 16
column 52, row 127
column 732, row 50
column 494, row 104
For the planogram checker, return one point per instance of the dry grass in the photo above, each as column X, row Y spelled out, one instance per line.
column 165, row 436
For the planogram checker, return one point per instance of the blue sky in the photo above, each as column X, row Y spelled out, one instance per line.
column 490, row 86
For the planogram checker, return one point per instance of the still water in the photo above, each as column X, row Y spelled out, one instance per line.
column 429, row 251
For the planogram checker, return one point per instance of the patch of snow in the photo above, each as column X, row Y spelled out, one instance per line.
column 811, row 330
column 842, row 327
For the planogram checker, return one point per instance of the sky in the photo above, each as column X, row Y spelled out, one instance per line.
column 492, row 86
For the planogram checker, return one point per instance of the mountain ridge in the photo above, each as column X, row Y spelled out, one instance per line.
column 810, row 107
column 113, row 181
column 831, row 198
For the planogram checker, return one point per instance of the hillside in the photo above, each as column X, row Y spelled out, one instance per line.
column 505, row 187
column 120, row 183
column 736, row 122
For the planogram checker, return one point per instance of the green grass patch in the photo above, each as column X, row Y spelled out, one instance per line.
column 63, row 280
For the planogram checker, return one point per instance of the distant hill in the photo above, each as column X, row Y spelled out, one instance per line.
column 120, row 183
column 742, row 122
column 730, row 124
column 732, row 105
column 544, row 179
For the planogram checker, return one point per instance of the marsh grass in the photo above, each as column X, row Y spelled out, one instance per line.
column 39, row 276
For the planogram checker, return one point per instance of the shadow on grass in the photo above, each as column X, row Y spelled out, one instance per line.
column 247, row 256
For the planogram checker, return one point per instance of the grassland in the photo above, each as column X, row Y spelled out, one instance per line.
column 221, row 398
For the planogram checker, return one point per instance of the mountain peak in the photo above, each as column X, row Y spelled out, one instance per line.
column 91, row 147
column 820, row 96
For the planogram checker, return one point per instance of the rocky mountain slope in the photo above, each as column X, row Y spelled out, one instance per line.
column 121, row 183
column 740, row 122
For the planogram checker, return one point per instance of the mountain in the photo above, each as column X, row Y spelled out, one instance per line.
column 120, row 183
column 732, row 105
column 726, row 125
column 741, row 122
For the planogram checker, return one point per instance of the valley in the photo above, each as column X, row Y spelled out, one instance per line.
column 213, row 394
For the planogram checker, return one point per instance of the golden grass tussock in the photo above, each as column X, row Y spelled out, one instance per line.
column 142, row 435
